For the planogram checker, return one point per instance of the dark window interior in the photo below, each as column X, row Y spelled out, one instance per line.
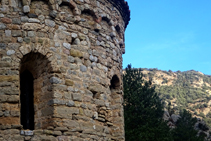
column 27, row 100
column 115, row 83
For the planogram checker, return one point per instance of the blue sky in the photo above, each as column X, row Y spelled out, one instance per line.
column 169, row 34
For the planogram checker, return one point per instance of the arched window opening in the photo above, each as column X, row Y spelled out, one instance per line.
column 107, row 20
column 117, row 27
column 106, row 24
column 115, row 83
column 27, row 100
column 35, row 91
column 88, row 12
column 66, row 7
column 66, row 13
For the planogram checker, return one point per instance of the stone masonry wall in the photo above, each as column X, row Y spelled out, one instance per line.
column 73, row 49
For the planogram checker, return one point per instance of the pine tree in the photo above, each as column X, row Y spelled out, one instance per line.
column 184, row 130
column 143, row 109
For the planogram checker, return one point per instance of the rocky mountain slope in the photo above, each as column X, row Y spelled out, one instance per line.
column 189, row 90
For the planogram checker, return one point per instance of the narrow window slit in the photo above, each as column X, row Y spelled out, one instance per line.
column 27, row 100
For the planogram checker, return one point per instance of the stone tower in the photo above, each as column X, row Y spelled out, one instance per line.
column 61, row 69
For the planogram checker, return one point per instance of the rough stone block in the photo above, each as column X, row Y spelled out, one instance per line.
column 26, row 9
column 16, row 21
column 62, row 138
column 69, row 82
column 31, row 33
column 24, row 19
column 3, row 98
column 47, row 111
column 33, row 20
column 77, row 97
column 17, row 138
column 2, row 26
column 76, row 53
column 56, row 101
column 70, row 59
column 29, row 133
column 61, row 129
column 74, row 35
column 49, row 23
column 20, row 39
column 65, row 112
column 4, row 64
column 13, row 99
column 10, row 52
column 67, row 45
column 6, row 20
column 55, row 80
column 2, row 46
column 57, row 133
column 1, row 15
column 16, row 33
column 72, row 125
column 70, row 103
column 32, row 15
column 83, row 68
column 9, row 121
column 8, row 33
column 94, row 88
column 53, row 13
column 48, row 132
column 9, row 78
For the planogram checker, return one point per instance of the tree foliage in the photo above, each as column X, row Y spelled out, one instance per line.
column 143, row 112
column 184, row 130
column 187, row 90
column 143, row 109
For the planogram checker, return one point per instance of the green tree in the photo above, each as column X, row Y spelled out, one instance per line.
column 143, row 110
column 184, row 130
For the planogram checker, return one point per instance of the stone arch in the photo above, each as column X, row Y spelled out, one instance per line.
column 31, row 59
column 40, row 68
column 26, row 49
column 66, row 12
column 65, row 3
column 90, row 12
column 72, row 5
column 108, row 20
column 106, row 23
column 89, row 19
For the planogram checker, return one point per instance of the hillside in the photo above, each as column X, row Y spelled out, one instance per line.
column 189, row 90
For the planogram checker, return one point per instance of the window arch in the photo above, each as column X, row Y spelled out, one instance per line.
column 115, row 83
column 35, row 91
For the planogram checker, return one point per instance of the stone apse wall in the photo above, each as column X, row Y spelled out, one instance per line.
column 61, row 69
